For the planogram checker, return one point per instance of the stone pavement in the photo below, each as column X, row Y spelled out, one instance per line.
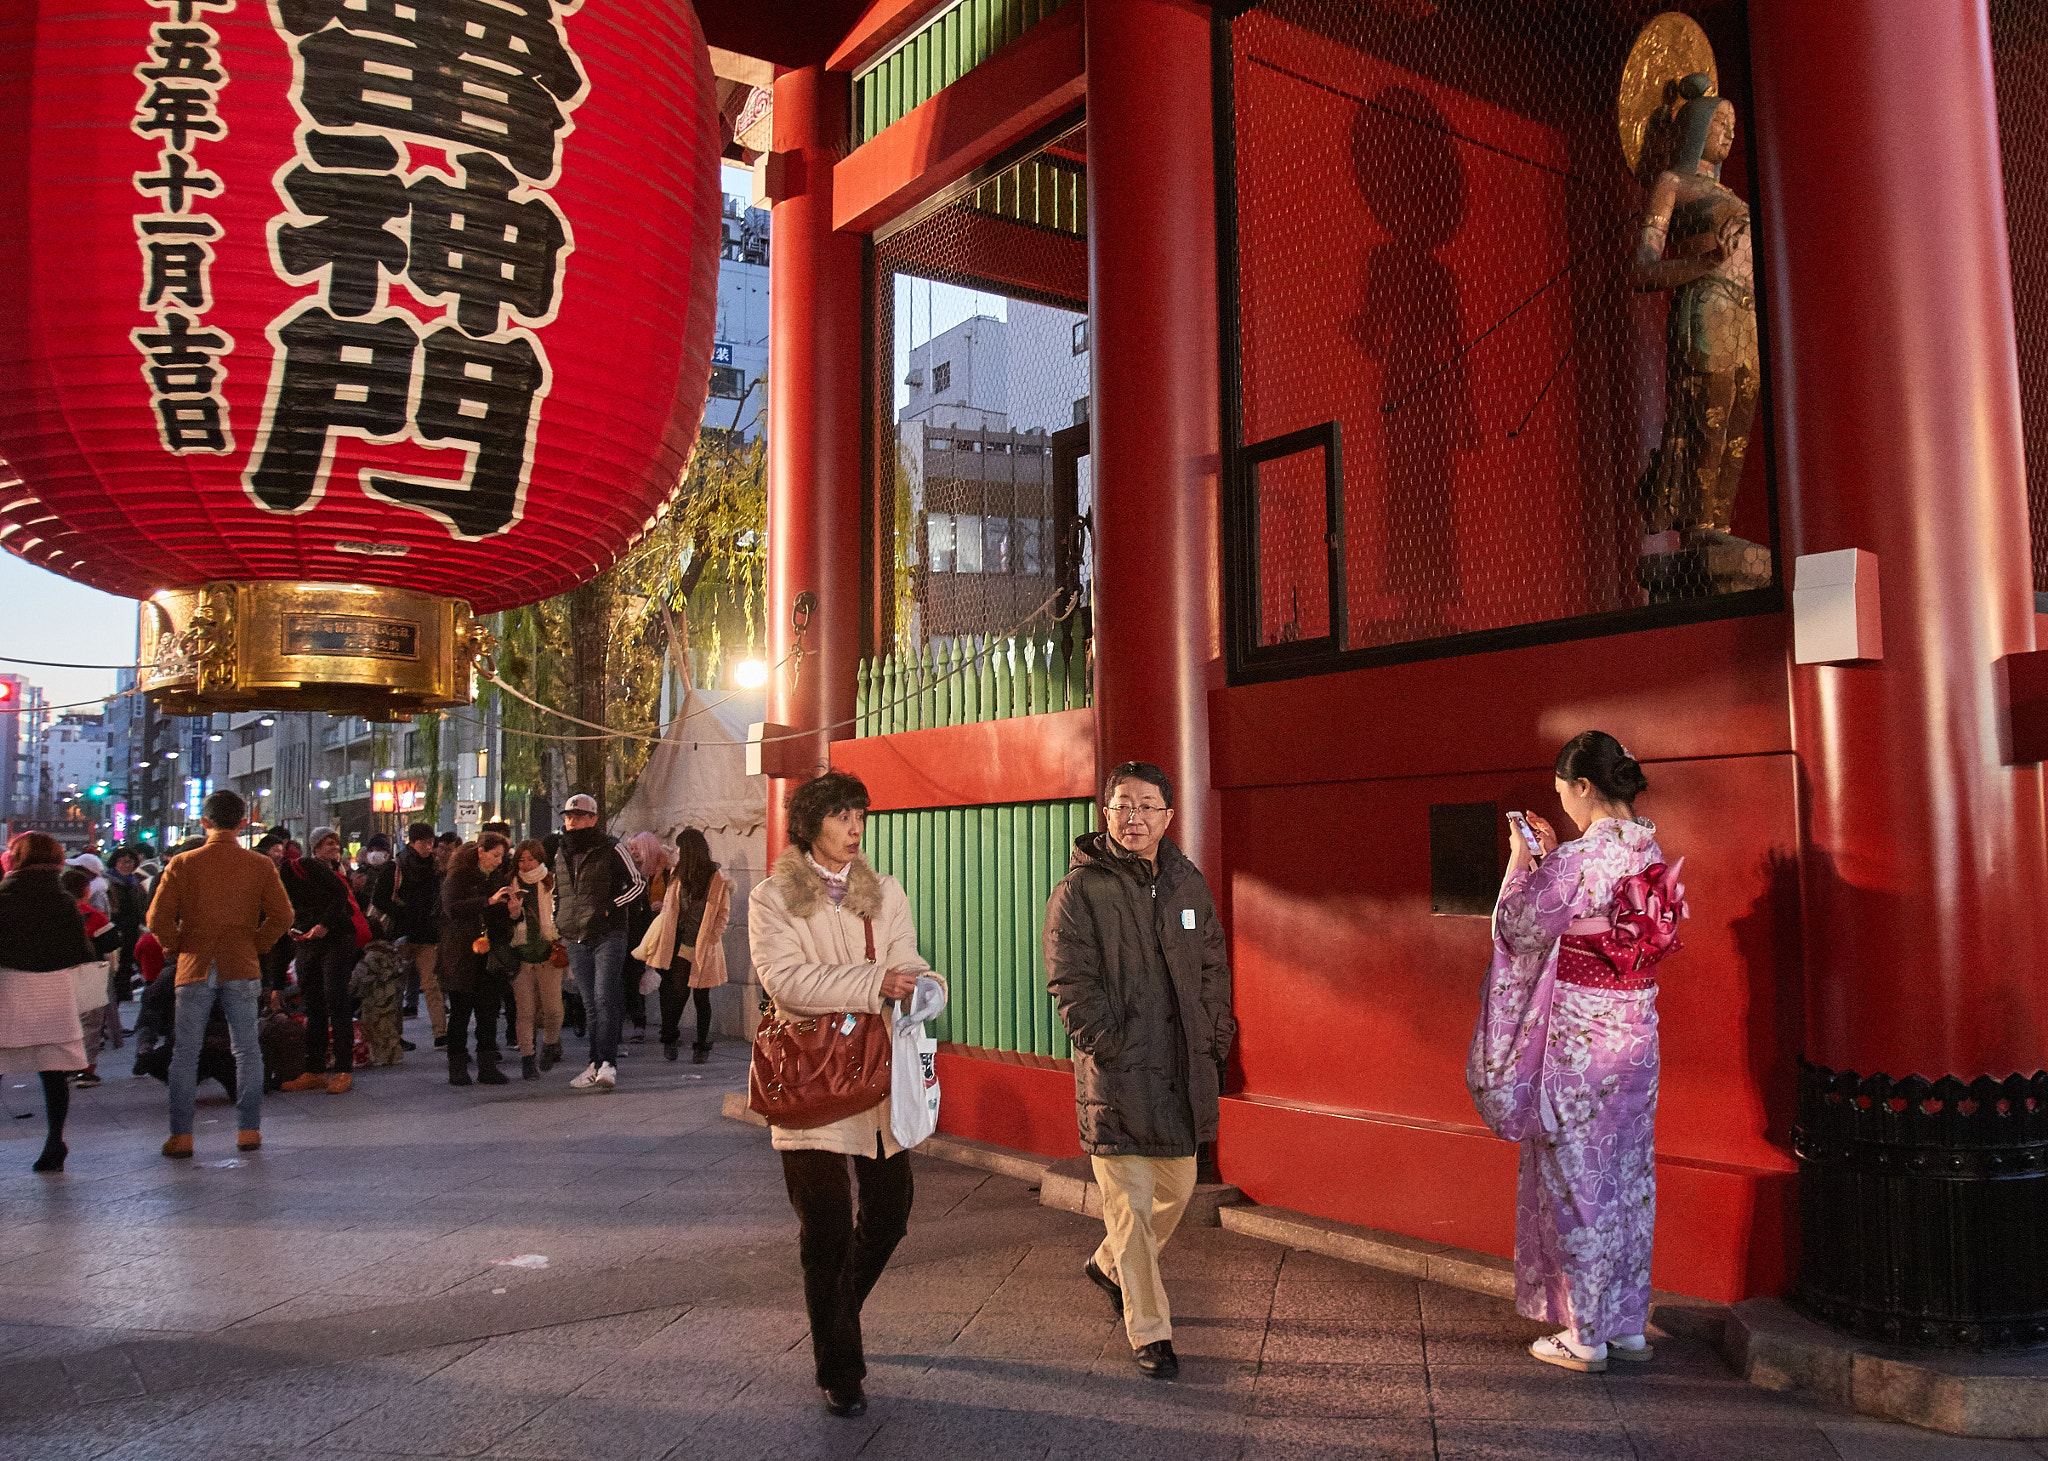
column 344, row 1294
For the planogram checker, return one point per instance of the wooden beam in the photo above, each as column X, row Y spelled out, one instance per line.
column 881, row 25
column 1026, row 84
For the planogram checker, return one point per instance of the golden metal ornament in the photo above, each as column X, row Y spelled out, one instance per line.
column 351, row 649
column 1667, row 50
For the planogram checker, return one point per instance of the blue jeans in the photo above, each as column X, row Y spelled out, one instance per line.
column 239, row 1001
column 596, row 967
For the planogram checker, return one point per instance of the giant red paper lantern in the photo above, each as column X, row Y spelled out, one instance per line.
column 401, row 297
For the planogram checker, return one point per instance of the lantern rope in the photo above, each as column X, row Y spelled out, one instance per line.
column 56, row 664
column 489, row 671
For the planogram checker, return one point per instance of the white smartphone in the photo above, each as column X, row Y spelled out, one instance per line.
column 1520, row 821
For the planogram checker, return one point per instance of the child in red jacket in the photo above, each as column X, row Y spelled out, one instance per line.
column 106, row 941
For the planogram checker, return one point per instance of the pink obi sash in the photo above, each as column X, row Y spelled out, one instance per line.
column 1623, row 951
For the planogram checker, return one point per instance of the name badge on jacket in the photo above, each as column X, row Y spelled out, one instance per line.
column 1187, row 918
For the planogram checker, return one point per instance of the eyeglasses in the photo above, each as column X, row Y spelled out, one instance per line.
column 1128, row 813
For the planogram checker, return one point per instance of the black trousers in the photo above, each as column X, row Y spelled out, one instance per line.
column 843, row 1248
column 486, row 1000
column 324, row 966
column 675, row 993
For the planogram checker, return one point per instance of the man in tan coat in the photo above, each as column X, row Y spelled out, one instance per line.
column 217, row 910
column 831, row 937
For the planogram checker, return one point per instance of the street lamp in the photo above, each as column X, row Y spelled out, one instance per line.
column 268, row 720
column 752, row 674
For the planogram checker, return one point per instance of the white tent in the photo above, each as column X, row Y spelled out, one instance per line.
column 696, row 776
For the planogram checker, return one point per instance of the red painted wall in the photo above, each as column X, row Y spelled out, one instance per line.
column 1356, row 1003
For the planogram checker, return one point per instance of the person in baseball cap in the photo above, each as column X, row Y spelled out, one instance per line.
column 595, row 881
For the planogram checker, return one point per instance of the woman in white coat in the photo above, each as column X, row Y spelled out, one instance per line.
column 686, row 942
column 807, row 925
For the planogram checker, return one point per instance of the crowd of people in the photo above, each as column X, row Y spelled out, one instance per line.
column 285, row 966
column 489, row 935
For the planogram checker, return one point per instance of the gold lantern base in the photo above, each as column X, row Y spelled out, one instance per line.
column 345, row 648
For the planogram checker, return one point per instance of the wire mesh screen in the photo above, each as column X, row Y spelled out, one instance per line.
column 2019, row 62
column 981, row 405
column 1440, row 257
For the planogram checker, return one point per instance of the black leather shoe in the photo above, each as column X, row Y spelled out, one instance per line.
column 405, row 1044
column 1107, row 1284
column 1158, row 1360
column 668, row 1048
column 847, row 1403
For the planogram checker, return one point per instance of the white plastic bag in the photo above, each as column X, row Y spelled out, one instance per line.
column 914, row 1069
column 650, row 980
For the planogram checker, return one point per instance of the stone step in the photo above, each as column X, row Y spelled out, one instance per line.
column 2004, row 1395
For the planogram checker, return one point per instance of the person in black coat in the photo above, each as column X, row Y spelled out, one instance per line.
column 42, row 938
column 412, row 905
column 473, row 907
column 323, row 927
column 1135, row 962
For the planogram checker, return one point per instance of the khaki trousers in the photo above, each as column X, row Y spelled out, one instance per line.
column 538, row 986
column 423, row 957
column 1143, row 1201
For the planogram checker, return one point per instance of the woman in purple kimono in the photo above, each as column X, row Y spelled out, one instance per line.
column 1564, row 1060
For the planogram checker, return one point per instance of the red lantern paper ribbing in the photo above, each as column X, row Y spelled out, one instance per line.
column 342, row 318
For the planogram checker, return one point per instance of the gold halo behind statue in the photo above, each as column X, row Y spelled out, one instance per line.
column 1667, row 50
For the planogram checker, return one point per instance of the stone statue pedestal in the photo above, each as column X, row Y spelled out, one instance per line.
column 1699, row 564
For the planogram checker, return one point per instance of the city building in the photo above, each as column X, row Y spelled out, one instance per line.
column 21, row 739
column 739, row 355
column 72, row 775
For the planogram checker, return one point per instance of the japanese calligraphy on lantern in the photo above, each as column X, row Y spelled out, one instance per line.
column 431, row 134
column 179, row 110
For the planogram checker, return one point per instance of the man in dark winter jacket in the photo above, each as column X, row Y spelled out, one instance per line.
column 1134, row 959
column 594, row 881
column 412, row 904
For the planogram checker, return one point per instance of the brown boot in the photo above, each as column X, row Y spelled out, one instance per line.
column 248, row 1141
column 312, row 1080
column 338, row 1084
column 178, row 1146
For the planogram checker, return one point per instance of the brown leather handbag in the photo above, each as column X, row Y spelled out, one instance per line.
column 818, row 1069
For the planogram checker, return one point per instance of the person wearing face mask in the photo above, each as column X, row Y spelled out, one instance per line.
column 475, row 906
column 323, row 928
column 537, row 987
column 372, row 882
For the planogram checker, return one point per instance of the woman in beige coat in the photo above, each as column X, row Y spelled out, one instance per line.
column 686, row 942
column 808, row 929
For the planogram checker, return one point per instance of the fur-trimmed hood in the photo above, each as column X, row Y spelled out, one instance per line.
column 803, row 891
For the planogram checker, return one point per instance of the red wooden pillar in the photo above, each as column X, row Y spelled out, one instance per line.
column 1882, row 225
column 1152, row 308
column 814, row 430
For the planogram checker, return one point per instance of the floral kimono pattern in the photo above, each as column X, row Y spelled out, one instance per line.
column 1570, row 1072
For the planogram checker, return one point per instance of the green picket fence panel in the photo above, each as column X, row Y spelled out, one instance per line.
column 978, row 879
column 971, row 679
column 946, row 48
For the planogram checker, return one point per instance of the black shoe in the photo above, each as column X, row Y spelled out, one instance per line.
column 550, row 1056
column 87, row 1079
column 1107, row 1284
column 639, row 1034
column 405, row 1044
column 52, row 1159
column 668, row 1049
column 848, row 1403
column 699, row 1054
column 412, row 1011
column 458, row 1068
column 1158, row 1360
column 487, row 1072
column 528, row 1070
column 440, row 1042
